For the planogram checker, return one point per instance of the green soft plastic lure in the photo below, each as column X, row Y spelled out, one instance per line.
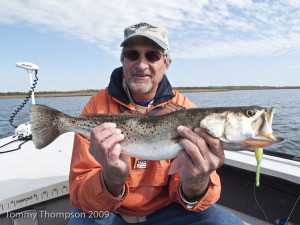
column 258, row 155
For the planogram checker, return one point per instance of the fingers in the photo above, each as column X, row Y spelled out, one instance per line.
column 191, row 150
column 202, row 155
column 115, row 153
column 106, row 150
column 214, row 144
column 210, row 140
column 195, row 147
column 185, row 161
column 107, row 134
column 110, row 142
column 199, row 145
column 104, row 131
column 105, row 137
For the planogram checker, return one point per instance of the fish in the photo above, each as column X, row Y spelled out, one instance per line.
column 154, row 137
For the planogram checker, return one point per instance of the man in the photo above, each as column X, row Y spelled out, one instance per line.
column 105, row 182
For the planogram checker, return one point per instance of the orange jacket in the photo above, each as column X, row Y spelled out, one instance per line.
column 147, row 190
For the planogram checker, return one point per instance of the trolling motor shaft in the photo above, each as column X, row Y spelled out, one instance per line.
column 29, row 67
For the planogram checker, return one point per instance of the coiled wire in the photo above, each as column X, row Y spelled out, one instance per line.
column 24, row 101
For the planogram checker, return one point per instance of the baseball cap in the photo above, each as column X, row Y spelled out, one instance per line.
column 155, row 32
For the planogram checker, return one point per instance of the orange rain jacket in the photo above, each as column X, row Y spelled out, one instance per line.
column 147, row 189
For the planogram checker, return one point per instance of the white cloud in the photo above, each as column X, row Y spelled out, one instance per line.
column 197, row 29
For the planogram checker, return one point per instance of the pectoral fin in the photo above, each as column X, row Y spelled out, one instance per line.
column 175, row 166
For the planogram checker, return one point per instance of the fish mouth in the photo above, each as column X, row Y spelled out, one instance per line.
column 264, row 134
column 262, row 141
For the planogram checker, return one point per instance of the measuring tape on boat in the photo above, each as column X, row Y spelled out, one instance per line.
column 34, row 197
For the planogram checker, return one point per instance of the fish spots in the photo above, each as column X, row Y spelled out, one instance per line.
column 125, row 133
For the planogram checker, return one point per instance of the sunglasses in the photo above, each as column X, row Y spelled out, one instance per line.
column 151, row 56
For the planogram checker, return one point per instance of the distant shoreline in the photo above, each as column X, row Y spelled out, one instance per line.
column 37, row 95
column 179, row 89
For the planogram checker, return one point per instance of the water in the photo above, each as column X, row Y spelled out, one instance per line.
column 286, row 122
column 70, row 105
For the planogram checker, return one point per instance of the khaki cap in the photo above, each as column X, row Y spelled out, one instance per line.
column 155, row 32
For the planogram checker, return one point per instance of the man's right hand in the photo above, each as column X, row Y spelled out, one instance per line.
column 105, row 148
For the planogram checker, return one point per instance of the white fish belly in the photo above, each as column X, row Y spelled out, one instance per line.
column 159, row 150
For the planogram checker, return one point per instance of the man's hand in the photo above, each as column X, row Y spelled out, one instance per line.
column 202, row 155
column 105, row 148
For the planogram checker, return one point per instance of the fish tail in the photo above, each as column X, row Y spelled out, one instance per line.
column 45, row 125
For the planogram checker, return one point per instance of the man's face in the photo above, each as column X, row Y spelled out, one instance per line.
column 141, row 75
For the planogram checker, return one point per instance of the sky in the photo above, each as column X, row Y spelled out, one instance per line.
column 76, row 43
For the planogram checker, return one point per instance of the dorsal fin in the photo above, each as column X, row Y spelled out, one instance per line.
column 92, row 114
column 132, row 113
column 126, row 113
column 168, row 108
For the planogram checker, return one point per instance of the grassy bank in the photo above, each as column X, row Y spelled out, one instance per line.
column 45, row 94
column 90, row 92
column 37, row 95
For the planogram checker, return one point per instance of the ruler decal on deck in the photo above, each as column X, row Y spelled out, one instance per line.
column 34, row 197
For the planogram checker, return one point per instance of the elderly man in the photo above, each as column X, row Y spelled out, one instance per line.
column 108, row 187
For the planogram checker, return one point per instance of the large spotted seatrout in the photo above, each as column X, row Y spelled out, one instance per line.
column 155, row 137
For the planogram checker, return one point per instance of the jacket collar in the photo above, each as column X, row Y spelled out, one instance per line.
column 116, row 90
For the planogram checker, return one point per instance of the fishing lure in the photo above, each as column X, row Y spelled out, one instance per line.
column 258, row 155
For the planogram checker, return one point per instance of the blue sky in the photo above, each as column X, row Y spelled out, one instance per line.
column 213, row 43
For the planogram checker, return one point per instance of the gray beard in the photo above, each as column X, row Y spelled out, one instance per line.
column 138, row 90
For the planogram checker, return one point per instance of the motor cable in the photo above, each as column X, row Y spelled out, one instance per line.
column 24, row 101
column 24, row 139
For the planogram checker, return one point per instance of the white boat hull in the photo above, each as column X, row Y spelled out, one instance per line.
column 37, row 180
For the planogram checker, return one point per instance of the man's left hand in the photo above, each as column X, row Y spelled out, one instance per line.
column 201, row 155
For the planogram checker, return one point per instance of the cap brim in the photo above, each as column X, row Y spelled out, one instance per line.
column 160, row 43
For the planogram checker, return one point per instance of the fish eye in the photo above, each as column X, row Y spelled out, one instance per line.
column 250, row 113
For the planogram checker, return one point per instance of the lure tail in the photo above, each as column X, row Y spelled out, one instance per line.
column 45, row 124
column 258, row 156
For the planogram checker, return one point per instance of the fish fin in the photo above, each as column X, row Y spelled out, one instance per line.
column 168, row 108
column 132, row 113
column 43, row 127
column 223, row 139
column 175, row 139
column 125, row 113
column 87, row 115
column 173, row 106
column 175, row 166
column 90, row 115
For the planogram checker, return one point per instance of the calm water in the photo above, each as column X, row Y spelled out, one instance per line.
column 286, row 122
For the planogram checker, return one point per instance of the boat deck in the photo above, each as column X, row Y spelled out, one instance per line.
column 37, row 181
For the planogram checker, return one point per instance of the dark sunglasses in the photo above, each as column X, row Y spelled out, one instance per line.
column 151, row 56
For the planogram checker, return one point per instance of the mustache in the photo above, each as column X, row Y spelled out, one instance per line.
column 141, row 73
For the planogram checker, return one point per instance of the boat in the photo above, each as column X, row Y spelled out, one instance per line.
column 34, row 186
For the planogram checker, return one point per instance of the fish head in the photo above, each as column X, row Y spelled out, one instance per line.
column 262, row 130
column 249, row 127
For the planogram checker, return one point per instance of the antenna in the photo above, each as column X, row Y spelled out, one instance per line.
column 29, row 67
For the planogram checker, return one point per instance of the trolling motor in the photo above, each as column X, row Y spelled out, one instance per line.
column 23, row 131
